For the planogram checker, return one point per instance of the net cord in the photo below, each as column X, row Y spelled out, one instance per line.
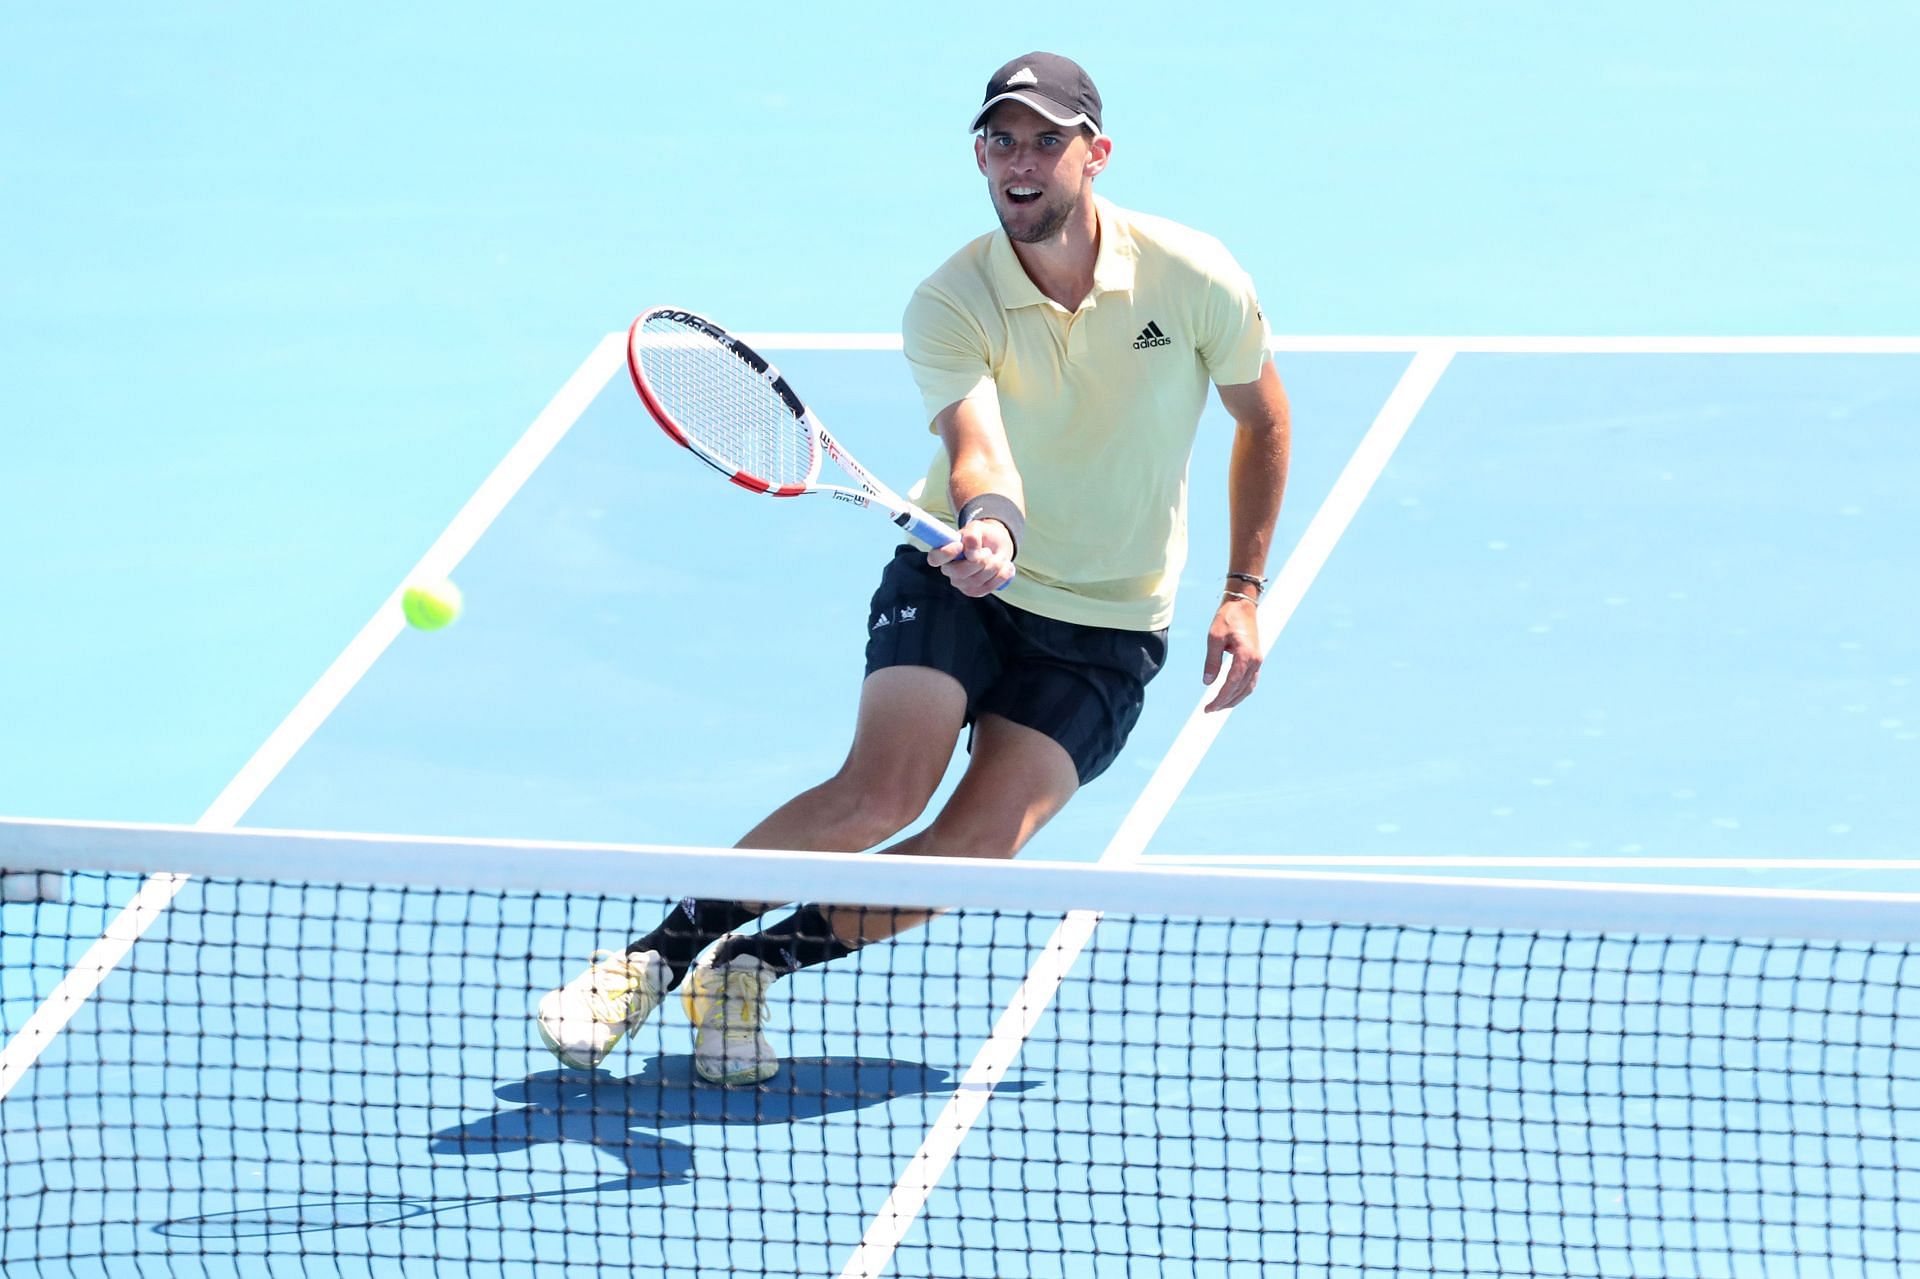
column 654, row 870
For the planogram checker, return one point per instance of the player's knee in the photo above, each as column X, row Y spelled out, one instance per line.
column 972, row 835
column 878, row 818
column 874, row 810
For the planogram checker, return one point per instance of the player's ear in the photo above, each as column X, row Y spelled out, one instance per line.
column 1098, row 152
column 980, row 151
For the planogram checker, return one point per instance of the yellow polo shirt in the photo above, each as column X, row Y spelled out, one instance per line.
column 1101, row 403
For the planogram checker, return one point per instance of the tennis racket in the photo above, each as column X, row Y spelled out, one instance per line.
column 726, row 404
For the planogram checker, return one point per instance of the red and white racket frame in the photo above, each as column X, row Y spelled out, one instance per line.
column 866, row 491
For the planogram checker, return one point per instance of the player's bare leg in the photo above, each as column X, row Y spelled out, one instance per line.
column 1017, row 780
column 909, row 721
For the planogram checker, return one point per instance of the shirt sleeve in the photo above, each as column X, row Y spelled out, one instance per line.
column 1233, row 340
column 946, row 351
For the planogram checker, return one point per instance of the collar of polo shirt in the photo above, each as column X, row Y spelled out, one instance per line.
column 1112, row 266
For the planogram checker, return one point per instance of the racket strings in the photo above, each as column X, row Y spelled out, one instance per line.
column 724, row 405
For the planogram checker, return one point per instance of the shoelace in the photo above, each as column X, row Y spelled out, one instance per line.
column 744, row 1001
column 611, row 1005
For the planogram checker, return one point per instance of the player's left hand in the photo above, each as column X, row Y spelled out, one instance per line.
column 981, row 562
column 1235, row 637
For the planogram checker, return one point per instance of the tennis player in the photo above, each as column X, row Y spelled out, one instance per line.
column 1063, row 361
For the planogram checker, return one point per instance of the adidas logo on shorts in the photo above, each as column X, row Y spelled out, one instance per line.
column 1151, row 336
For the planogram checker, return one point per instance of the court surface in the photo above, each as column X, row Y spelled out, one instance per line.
column 1600, row 616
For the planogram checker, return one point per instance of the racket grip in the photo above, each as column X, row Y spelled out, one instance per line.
column 934, row 533
column 930, row 530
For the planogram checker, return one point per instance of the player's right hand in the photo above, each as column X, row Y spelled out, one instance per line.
column 981, row 562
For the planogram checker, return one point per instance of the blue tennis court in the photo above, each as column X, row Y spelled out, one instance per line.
column 1515, row 651
column 1567, row 610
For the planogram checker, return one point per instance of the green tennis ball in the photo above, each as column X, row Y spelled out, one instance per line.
column 431, row 605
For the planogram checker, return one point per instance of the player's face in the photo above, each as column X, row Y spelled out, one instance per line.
column 1038, row 172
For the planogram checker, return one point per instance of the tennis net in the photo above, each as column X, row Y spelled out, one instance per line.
column 307, row 1053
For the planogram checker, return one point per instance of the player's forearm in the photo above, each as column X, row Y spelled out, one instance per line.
column 979, row 460
column 1256, row 483
column 974, row 475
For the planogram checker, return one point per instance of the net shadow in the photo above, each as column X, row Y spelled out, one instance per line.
column 653, row 1163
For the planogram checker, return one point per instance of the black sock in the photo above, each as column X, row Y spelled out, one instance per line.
column 801, row 940
column 693, row 926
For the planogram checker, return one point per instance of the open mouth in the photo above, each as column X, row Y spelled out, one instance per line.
column 1023, row 195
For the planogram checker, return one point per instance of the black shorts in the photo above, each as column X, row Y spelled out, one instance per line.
column 1083, row 686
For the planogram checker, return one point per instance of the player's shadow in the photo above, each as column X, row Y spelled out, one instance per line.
column 620, row 1115
column 602, row 1108
column 613, row 1112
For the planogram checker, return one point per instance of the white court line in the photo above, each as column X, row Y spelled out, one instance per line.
column 917, row 1180
column 460, row 536
column 1337, row 343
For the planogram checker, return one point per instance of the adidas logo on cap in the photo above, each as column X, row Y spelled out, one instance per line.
column 1151, row 336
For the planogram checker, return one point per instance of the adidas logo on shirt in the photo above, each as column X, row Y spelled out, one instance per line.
column 1151, row 336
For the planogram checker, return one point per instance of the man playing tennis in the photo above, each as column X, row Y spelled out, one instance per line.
column 1064, row 362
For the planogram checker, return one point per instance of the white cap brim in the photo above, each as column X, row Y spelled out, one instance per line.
column 1045, row 106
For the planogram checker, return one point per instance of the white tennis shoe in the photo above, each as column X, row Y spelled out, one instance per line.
column 727, row 1004
column 585, row 1018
